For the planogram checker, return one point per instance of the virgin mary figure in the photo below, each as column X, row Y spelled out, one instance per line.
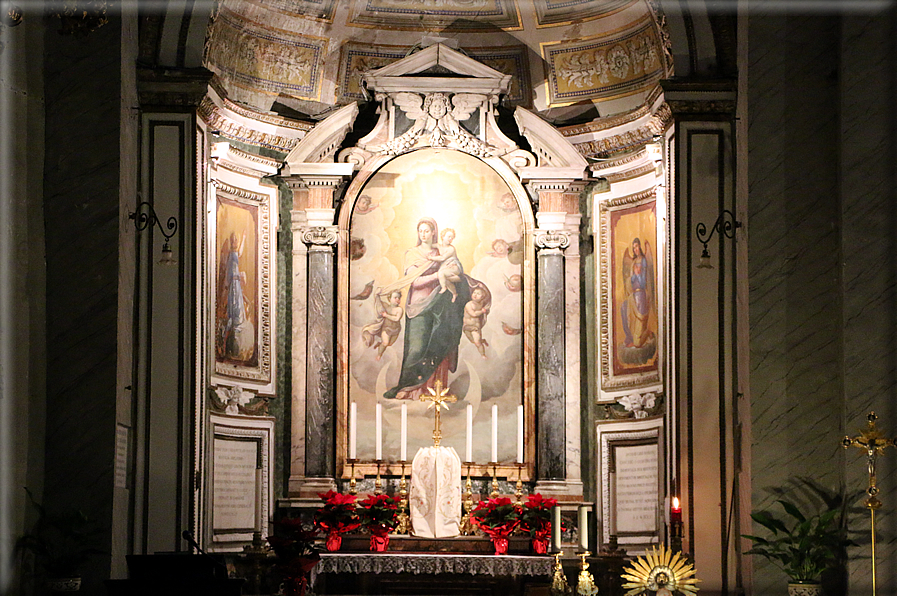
column 433, row 320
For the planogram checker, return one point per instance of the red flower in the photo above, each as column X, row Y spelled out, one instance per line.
column 379, row 511
column 536, row 516
column 338, row 513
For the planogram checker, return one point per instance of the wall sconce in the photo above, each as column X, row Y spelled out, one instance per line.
column 726, row 224
column 145, row 217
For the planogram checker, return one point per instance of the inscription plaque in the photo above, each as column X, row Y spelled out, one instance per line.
column 234, row 487
column 636, row 488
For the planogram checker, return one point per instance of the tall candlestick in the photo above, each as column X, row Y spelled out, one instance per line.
column 495, row 432
column 584, row 527
column 378, row 432
column 469, row 452
column 404, row 432
column 520, row 434
column 353, row 429
column 556, row 528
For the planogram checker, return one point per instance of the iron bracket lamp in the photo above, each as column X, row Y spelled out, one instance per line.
column 145, row 217
column 725, row 224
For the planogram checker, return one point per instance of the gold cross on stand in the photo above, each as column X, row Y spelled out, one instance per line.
column 874, row 443
column 438, row 397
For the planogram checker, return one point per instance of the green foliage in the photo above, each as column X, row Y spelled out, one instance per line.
column 61, row 542
column 803, row 546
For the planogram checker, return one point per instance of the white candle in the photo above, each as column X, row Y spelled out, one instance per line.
column 584, row 527
column 469, row 433
column 404, row 432
column 353, row 429
column 495, row 432
column 378, row 432
column 520, row 434
column 556, row 528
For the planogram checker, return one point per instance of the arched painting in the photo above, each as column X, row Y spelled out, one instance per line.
column 436, row 273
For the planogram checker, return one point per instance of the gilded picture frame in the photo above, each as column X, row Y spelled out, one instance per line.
column 630, row 325
column 491, row 222
column 240, row 264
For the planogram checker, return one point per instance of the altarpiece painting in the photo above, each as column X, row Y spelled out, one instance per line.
column 437, row 263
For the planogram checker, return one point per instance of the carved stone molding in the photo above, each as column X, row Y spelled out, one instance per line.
column 320, row 235
column 551, row 239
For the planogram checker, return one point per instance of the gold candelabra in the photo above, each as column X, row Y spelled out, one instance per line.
column 404, row 526
column 467, row 528
column 378, row 483
column 494, row 492
column 353, row 489
column 874, row 443
column 585, row 585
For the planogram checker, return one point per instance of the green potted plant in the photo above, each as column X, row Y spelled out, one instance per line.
column 801, row 545
column 60, row 543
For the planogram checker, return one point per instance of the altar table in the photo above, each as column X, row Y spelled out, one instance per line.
column 426, row 573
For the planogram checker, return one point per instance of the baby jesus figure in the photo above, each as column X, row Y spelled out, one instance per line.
column 474, row 319
column 449, row 271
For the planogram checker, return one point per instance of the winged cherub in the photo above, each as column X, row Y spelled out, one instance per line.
column 436, row 115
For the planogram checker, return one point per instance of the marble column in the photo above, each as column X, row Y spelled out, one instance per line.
column 551, row 406
column 319, row 369
column 299, row 351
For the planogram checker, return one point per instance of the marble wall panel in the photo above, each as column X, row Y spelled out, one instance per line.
column 822, row 279
column 319, row 405
column 81, row 219
column 551, row 366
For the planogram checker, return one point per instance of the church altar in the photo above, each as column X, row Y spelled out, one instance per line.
column 430, row 573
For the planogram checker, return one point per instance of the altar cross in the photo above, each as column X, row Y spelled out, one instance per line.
column 874, row 443
column 438, row 397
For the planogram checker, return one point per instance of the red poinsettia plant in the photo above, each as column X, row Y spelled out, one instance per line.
column 535, row 520
column 336, row 517
column 379, row 514
column 294, row 545
column 497, row 517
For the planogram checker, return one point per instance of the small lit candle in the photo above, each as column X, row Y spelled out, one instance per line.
column 495, row 432
column 469, row 452
column 676, row 511
column 378, row 432
column 520, row 434
column 584, row 527
column 353, row 429
column 404, row 432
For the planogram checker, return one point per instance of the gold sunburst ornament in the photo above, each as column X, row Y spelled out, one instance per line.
column 661, row 571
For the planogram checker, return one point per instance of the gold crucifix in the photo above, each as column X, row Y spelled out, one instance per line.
column 874, row 443
column 438, row 397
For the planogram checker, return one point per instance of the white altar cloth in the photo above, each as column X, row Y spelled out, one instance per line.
column 436, row 493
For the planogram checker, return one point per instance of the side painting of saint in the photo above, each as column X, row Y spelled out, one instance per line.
column 631, row 352
column 236, row 283
column 443, row 305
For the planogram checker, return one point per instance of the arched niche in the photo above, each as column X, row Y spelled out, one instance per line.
column 484, row 203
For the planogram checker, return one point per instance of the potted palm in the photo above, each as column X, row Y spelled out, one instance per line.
column 801, row 545
column 60, row 544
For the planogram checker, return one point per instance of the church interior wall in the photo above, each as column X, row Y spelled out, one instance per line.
column 822, row 279
column 820, row 231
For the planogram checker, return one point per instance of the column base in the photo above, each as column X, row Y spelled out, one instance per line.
column 562, row 490
column 308, row 488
